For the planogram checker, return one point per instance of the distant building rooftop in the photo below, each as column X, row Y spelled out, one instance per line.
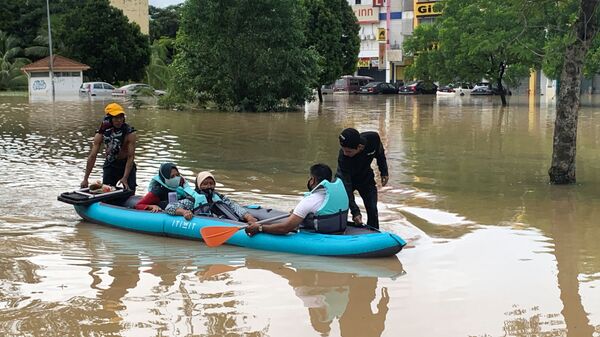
column 60, row 63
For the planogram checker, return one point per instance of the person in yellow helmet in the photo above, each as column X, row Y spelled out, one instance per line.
column 119, row 139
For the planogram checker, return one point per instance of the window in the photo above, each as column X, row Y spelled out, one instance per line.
column 40, row 74
column 108, row 86
column 357, row 2
column 97, row 85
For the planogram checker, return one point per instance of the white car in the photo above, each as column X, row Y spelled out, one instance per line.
column 96, row 89
column 133, row 89
column 458, row 89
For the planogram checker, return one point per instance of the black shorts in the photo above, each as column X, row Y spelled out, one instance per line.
column 113, row 172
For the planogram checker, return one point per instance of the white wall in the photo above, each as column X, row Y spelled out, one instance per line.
column 63, row 85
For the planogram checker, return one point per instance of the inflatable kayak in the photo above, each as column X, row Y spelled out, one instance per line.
column 354, row 242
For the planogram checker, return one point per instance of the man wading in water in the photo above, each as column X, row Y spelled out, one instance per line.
column 119, row 138
column 354, row 167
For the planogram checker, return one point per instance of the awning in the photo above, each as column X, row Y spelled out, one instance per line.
column 368, row 53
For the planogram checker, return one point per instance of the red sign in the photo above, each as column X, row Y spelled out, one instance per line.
column 377, row 3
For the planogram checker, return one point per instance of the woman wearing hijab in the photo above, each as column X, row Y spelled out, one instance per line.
column 203, row 200
column 167, row 180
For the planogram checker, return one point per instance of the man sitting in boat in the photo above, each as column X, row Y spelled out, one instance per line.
column 166, row 181
column 203, row 200
column 324, row 208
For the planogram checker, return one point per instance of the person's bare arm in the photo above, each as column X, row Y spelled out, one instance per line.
column 91, row 161
column 291, row 223
column 131, row 139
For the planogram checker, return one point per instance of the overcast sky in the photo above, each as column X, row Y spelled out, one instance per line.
column 164, row 3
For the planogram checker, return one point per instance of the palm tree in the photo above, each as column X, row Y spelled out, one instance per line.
column 158, row 73
column 11, row 77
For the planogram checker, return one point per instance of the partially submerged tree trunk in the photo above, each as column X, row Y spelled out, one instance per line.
column 320, row 94
column 500, row 86
column 562, row 170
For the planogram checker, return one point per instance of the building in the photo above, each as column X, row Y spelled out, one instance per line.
column 136, row 11
column 383, row 27
column 68, row 77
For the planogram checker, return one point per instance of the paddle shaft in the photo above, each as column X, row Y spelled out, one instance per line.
column 272, row 219
column 215, row 236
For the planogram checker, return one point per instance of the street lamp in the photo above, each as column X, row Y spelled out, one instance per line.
column 50, row 47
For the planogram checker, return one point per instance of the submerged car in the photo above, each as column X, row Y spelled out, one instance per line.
column 135, row 89
column 375, row 88
column 327, row 89
column 96, row 89
column 419, row 88
column 459, row 89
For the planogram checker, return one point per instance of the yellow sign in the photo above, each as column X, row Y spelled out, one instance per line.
column 364, row 63
column 380, row 34
column 425, row 9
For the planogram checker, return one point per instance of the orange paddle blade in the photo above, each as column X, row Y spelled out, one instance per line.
column 217, row 235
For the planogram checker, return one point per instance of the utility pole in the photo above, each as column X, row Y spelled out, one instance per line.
column 50, row 48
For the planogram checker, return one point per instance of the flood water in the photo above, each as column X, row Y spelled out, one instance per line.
column 494, row 249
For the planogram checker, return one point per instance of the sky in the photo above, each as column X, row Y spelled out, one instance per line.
column 164, row 3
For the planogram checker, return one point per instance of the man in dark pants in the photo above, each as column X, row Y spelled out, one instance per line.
column 354, row 167
column 119, row 139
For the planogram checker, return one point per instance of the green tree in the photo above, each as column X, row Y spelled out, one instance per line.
column 350, row 39
column 158, row 73
column 164, row 22
column 480, row 39
column 99, row 35
column 326, row 34
column 578, row 42
column 243, row 55
column 11, row 76
column 22, row 18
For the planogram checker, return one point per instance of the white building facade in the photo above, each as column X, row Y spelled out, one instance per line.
column 68, row 77
column 383, row 28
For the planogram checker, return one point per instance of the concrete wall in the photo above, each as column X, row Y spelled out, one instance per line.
column 40, row 86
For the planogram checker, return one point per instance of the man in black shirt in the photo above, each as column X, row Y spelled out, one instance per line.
column 354, row 167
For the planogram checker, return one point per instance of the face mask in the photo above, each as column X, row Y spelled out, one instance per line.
column 173, row 182
column 208, row 191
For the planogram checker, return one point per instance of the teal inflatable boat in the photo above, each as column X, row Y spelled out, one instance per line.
column 354, row 242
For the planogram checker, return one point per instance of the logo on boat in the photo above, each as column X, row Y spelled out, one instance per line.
column 183, row 224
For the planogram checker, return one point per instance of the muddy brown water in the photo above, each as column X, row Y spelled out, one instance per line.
column 494, row 250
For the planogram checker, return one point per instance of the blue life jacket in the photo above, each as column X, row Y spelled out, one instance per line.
column 203, row 207
column 180, row 190
column 332, row 217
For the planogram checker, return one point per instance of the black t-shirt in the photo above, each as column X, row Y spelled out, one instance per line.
column 356, row 171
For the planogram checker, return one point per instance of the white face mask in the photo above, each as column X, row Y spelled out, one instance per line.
column 173, row 182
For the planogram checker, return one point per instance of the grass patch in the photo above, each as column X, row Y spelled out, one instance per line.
column 22, row 93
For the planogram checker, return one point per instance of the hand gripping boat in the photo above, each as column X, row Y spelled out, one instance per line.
column 354, row 242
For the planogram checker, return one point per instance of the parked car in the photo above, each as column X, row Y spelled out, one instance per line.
column 350, row 84
column 452, row 89
column 327, row 89
column 374, row 88
column 96, row 89
column 134, row 89
column 419, row 88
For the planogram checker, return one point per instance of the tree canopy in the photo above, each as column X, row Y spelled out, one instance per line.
column 164, row 22
column 479, row 39
column 99, row 35
column 328, row 29
column 243, row 55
